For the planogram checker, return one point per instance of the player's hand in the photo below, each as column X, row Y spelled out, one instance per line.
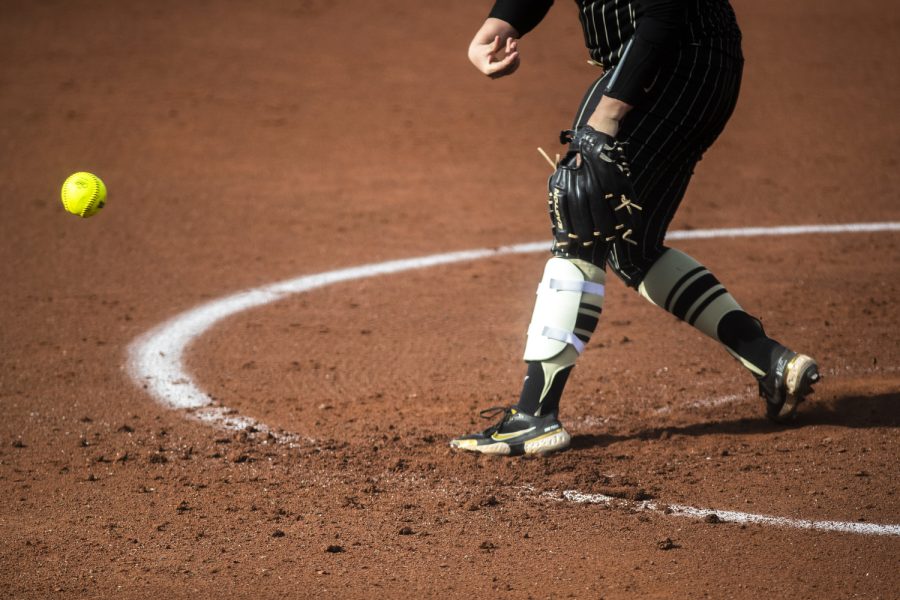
column 495, row 49
column 487, row 58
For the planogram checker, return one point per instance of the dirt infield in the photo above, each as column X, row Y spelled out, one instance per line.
column 249, row 143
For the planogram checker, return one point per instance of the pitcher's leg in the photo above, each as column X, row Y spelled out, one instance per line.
column 682, row 286
column 568, row 305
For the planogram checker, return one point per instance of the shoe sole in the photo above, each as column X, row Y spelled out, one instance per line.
column 551, row 442
column 554, row 441
column 801, row 374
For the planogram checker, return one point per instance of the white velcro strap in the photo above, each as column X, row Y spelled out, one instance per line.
column 562, row 291
column 561, row 335
column 569, row 285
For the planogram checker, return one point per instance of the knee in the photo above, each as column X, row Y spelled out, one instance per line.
column 631, row 274
column 632, row 265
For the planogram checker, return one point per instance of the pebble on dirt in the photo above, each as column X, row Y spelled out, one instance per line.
column 158, row 459
column 667, row 544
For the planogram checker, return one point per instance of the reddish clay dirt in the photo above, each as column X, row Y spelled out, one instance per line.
column 246, row 143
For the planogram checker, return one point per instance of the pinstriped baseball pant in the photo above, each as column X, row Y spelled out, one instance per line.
column 665, row 139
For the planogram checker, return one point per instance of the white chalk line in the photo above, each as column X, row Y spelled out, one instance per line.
column 730, row 516
column 156, row 358
column 706, row 403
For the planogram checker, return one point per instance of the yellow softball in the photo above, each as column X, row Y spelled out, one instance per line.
column 83, row 194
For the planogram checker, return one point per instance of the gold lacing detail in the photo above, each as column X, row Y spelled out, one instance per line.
column 626, row 204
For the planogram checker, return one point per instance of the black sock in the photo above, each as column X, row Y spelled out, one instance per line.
column 745, row 336
column 533, row 398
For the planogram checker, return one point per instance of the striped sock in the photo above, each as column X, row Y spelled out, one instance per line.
column 685, row 288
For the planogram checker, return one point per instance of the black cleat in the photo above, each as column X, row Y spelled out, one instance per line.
column 516, row 433
column 786, row 385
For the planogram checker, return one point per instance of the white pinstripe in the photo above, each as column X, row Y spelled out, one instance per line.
column 605, row 28
column 589, row 99
column 661, row 232
column 634, row 158
column 662, row 93
column 715, row 91
column 700, row 14
column 693, row 35
column 719, row 110
column 592, row 38
column 699, row 119
column 619, row 29
column 714, row 116
column 679, row 158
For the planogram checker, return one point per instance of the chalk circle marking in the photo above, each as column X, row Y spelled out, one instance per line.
column 156, row 358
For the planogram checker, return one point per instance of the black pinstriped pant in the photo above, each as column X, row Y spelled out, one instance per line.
column 665, row 139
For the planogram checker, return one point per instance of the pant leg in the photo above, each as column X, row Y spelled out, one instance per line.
column 664, row 142
column 665, row 139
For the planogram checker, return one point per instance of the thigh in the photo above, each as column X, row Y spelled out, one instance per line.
column 692, row 105
column 663, row 194
column 665, row 140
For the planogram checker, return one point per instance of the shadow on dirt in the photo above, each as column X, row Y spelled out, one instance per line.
column 856, row 411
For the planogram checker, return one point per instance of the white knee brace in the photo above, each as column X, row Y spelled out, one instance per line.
column 569, row 302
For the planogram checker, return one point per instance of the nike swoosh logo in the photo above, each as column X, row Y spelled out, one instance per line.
column 502, row 437
column 652, row 83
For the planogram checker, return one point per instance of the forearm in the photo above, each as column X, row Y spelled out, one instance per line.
column 492, row 28
column 522, row 15
column 659, row 30
column 608, row 114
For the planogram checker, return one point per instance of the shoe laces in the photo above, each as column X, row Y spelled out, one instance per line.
column 494, row 412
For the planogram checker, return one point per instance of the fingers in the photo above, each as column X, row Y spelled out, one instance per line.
column 510, row 62
column 485, row 57
column 503, row 67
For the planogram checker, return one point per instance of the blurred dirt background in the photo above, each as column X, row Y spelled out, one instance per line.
column 246, row 143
